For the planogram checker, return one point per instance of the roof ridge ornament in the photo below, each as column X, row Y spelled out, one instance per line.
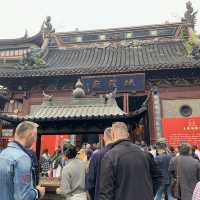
column 26, row 34
column 190, row 15
column 134, row 43
column 79, row 84
column 78, row 92
column 32, row 60
column 47, row 30
column 192, row 45
column 47, row 27
column 110, row 95
column 47, row 99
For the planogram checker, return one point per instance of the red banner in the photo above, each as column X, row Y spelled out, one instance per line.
column 176, row 130
column 51, row 142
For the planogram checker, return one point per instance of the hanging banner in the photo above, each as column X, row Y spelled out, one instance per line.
column 176, row 130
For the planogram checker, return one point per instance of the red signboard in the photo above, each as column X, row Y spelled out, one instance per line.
column 182, row 129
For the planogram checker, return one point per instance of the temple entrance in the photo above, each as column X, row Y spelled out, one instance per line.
column 139, row 130
column 53, row 141
column 89, row 138
column 140, row 127
column 80, row 120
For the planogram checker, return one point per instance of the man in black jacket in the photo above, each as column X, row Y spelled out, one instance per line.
column 127, row 172
column 93, row 178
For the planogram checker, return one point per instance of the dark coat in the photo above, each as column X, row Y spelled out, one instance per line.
column 93, row 176
column 187, row 170
column 163, row 164
column 126, row 173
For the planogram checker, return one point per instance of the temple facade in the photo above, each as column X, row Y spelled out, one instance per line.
column 153, row 72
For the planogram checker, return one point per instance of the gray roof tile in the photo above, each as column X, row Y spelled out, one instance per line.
column 83, row 108
column 155, row 55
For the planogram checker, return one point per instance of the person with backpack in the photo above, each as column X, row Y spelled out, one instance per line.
column 16, row 177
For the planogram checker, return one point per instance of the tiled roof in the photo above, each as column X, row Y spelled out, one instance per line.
column 9, row 43
column 84, row 108
column 118, row 50
column 111, row 58
column 171, row 30
column 150, row 54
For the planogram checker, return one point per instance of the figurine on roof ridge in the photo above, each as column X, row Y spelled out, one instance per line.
column 47, row 27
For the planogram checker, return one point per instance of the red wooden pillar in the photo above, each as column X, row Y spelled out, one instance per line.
column 125, row 103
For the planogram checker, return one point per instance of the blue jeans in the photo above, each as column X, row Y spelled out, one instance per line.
column 164, row 189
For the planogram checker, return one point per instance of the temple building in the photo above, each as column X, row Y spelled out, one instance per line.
column 147, row 76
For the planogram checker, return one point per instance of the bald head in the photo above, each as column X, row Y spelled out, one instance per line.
column 119, row 131
column 107, row 136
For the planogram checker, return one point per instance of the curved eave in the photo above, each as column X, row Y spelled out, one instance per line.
column 36, row 39
column 17, row 119
column 14, row 119
column 92, row 71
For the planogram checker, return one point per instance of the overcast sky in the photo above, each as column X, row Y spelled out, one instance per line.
column 18, row 15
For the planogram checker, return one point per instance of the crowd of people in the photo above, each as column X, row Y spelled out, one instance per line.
column 120, row 170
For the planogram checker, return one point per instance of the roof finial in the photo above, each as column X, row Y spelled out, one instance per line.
column 47, row 27
column 110, row 95
column 26, row 34
column 46, row 97
column 190, row 15
column 78, row 92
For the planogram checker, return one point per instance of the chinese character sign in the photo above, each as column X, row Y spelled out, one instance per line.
column 123, row 83
column 182, row 129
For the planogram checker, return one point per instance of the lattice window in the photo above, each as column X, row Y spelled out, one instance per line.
column 7, row 53
column 21, row 52
column 12, row 53
column 14, row 106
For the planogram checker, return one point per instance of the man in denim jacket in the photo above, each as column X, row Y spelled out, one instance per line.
column 16, row 177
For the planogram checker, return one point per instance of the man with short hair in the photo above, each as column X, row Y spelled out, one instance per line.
column 16, row 180
column 187, row 171
column 163, row 159
column 93, row 177
column 127, row 172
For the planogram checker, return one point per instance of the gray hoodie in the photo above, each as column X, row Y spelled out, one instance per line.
column 73, row 177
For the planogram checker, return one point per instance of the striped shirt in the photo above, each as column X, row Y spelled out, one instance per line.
column 196, row 193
